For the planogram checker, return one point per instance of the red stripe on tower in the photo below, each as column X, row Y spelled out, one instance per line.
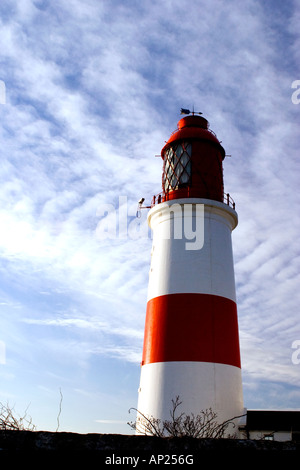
column 191, row 327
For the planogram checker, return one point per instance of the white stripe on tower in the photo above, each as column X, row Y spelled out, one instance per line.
column 191, row 343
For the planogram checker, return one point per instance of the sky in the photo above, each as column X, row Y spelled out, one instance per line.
column 89, row 93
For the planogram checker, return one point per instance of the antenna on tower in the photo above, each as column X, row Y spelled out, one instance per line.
column 140, row 206
column 187, row 111
column 140, row 203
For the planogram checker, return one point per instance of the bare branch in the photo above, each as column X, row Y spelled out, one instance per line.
column 59, row 412
column 146, row 425
column 203, row 425
column 9, row 421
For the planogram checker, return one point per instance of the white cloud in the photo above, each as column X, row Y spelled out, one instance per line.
column 91, row 98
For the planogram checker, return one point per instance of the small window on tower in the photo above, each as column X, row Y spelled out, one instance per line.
column 177, row 166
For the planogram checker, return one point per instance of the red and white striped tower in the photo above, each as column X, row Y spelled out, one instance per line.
column 191, row 342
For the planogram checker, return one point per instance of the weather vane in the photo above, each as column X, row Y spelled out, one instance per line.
column 187, row 111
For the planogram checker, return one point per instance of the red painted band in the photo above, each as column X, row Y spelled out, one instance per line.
column 191, row 327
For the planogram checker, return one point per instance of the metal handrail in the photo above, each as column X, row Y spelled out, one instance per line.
column 228, row 200
column 162, row 197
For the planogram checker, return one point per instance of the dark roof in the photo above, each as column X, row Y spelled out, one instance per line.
column 274, row 420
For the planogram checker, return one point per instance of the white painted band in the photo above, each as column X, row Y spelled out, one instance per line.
column 199, row 385
column 176, row 269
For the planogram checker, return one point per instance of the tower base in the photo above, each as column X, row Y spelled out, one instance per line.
column 160, row 384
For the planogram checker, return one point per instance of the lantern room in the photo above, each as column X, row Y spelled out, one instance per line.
column 192, row 162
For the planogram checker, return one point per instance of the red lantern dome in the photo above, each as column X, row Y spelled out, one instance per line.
column 193, row 159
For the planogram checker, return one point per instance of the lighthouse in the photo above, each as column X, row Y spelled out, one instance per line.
column 191, row 338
